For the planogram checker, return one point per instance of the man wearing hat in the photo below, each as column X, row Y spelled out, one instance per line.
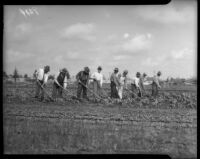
column 155, row 84
column 114, row 83
column 41, row 80
column 135, row 85
column 82, row 77
column 142, row 79
column 122, row 82
column 97, row 80
column 60, row 83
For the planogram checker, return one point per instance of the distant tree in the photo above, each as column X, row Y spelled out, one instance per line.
column 25, row 76
column 15, row 74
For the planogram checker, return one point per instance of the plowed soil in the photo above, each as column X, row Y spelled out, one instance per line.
column 70, row 126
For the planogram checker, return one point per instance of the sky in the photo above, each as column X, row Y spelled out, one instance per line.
column 139, row 38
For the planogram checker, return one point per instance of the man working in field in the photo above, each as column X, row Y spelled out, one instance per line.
column 83, row 79
column 114, row 83
column 122, row 83
column 41, row 80
column 156, row 84
column 142, row 79
column 60, row 83
column 135, row 85
column 97, row 81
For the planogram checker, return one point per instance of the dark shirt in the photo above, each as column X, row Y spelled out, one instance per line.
column 82, row 76
column 115, row 79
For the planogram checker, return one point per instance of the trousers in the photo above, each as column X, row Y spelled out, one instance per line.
column 82, row 90
column 154, row 90
column 57, row 91
column 120, row 91
column 114, row 92
column 96, row 87
column 135, row 91
column 39, row 90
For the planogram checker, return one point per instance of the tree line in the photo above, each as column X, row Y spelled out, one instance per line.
column 16, row 75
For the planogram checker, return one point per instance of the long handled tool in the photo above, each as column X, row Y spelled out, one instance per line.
column 103, row 93
column 63, row 88
column 132, row 92
column 91, row 91
column 140, row 91
column 45, row 91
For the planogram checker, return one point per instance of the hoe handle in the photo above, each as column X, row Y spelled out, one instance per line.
column 44, row 90
column 90, row 90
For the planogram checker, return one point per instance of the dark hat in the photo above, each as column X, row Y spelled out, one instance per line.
column 86, row 70
column 116, row 69
column 64, row 70
column 47, row 68
column 159, row 73
column 138, row 74
column 125, row 71
column 144, row 74
column 99, row 68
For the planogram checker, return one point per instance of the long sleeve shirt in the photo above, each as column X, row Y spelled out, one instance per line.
column 156, row 81
column 40, row 75
column 123, row 81
column 136, row 81
column 65, row 80
column 142, row 80
column 97, row 76
column 114, row 78
column 82, row 77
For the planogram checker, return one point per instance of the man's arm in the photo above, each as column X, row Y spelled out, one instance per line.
column 137, row 83
column 36, row 74
column 78, row 76
column 65, row 82
column 45, row 79
column 116, row 80
column 101, row 81
column 88, row 80
column 125, row 82
column 92, row 76
column 141, row 84
column 55, row 79
column 157, row 82
column 68, row 75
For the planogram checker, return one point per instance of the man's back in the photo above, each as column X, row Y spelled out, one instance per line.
column 114, row 78
column 82, row 76
column 40, row 74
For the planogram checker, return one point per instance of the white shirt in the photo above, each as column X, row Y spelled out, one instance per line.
column 98, row 76
column 40, row 74
column 156, row 80
column 136, row 81
column 121, row 80
column 65, row 80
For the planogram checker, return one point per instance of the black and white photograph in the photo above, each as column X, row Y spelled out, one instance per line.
column 100, row 79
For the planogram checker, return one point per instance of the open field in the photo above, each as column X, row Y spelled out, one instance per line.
column 69, row 126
